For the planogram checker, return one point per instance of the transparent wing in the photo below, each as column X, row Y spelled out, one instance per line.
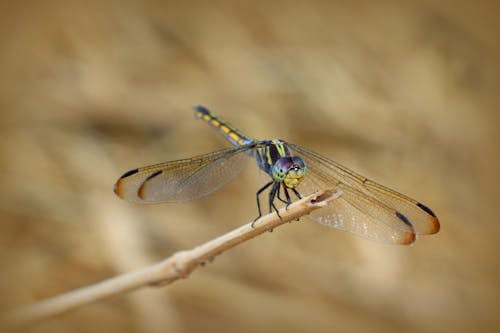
column 366, row 208
column 182, row 180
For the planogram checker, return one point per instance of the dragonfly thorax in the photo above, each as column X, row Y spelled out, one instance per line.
column 289, row 170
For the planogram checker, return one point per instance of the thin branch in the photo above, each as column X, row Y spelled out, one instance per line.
column 177, row 266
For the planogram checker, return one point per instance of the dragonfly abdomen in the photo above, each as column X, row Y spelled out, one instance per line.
column 231, row 133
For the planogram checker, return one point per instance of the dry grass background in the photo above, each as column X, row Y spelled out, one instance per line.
column 404, row 92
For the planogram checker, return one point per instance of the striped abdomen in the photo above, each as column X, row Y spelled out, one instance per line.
column 231, row 133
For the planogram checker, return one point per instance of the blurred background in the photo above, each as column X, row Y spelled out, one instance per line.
column 405, row 93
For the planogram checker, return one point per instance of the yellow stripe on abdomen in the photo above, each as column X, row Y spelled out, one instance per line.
column 230, row 132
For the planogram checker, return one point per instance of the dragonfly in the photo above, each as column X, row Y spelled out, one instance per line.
column 365, row 208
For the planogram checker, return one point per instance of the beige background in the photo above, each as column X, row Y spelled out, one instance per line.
column 406, row 93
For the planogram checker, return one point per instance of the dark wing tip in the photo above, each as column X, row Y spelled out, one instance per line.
column 118, row 185
column 140, row 192
column 426, row 209
column 129, row 173
column 435, row 222
column 411, row 237
column 118, row 188
column 404, row 219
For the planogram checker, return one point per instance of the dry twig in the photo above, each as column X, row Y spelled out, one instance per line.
column 177, row 266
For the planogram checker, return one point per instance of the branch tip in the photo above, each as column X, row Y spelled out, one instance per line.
column 326, row 195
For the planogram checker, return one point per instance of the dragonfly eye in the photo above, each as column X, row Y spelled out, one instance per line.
column 281, row 168
column 289, row 170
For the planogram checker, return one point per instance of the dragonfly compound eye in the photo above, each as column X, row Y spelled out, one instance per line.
column 289, row 170
column 281, row 168
column 296, row 173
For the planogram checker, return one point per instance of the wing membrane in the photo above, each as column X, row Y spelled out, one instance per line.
column 366, row 208
column 351, row 213
column 182, row 180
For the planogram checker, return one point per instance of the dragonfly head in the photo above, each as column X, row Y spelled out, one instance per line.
column 289, row 170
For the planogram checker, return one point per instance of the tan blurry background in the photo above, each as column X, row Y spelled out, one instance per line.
column 405, row 93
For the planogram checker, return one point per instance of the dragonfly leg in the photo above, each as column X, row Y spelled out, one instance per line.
column 297, row 193
column 258, row 201
column 280, row 198
column 288, row 199
column 272, row 196
column 298, row 196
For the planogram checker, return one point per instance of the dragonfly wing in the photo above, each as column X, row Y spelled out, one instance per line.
column 340, row 214
column 357, row 213
column 421, row 217
column 182, row 180
column 378, row 202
